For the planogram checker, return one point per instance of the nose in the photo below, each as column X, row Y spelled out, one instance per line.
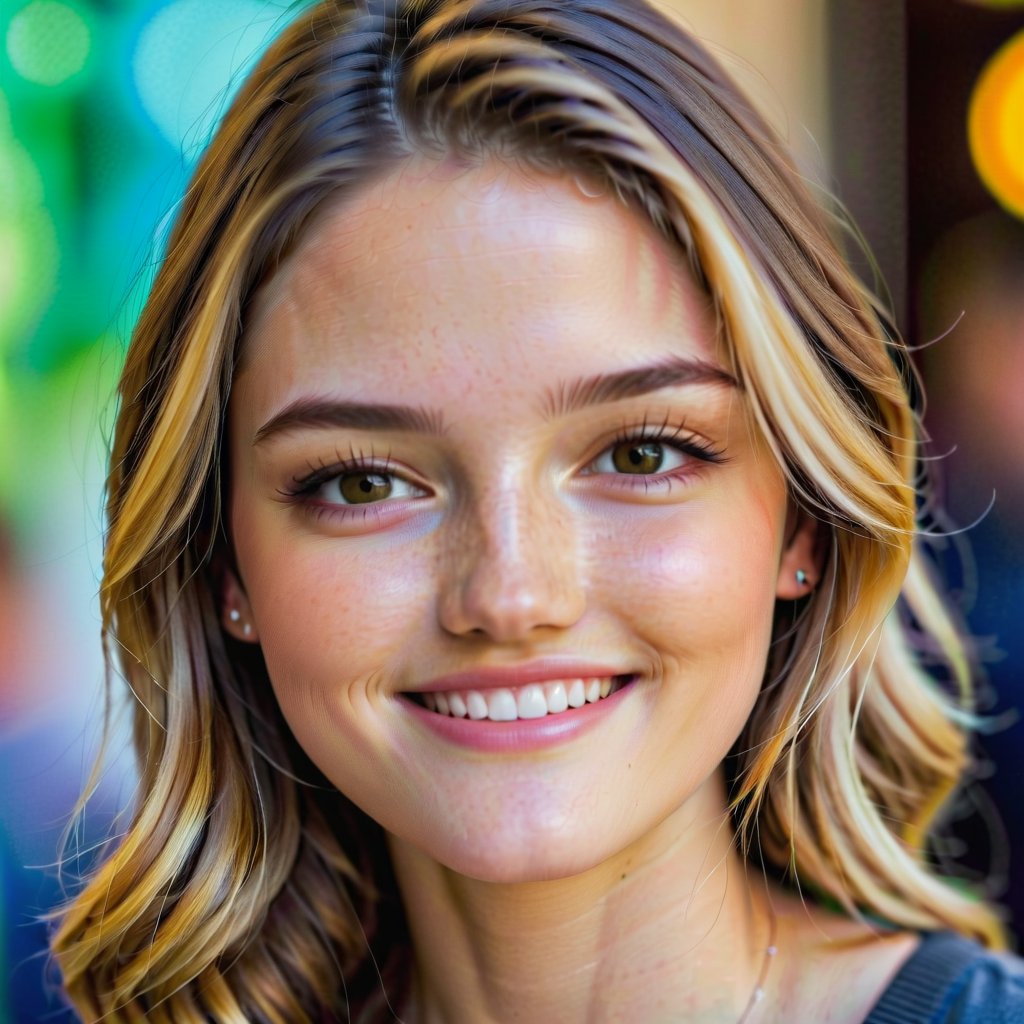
column 511, row 567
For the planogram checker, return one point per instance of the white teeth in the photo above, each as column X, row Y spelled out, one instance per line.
column 557, row 700
column 501, row 706
column 535, row 700
column 531, row 702
column 476, row 706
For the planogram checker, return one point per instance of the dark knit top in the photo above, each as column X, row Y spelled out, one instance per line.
column 950, row 980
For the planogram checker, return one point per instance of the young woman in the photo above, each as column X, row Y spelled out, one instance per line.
column 512, row 557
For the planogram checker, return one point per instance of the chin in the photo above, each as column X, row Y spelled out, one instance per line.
column 511, row 856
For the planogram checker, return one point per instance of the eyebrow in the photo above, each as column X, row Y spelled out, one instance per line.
column 673, row 372
column 325, row 413
column 317, row 412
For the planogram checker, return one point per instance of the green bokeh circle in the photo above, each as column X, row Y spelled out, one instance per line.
column 48, row 42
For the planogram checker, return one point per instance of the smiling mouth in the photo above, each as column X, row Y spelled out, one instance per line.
column 514, row 703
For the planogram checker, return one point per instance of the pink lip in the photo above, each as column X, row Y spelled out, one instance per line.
column 524, row 734
column 543, row 671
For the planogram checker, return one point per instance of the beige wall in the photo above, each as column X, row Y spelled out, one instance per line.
column 777, row 51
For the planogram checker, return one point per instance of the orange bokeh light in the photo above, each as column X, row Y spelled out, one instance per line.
column 995, row 125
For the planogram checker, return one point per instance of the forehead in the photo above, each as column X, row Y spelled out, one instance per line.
column 435, row 267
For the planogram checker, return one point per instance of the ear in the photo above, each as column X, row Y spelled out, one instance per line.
column 802, row 560
column 235, row 611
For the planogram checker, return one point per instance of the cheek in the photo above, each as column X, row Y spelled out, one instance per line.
column 333, row 624
column 703, row 573
column 699, row 590
column 331, row 615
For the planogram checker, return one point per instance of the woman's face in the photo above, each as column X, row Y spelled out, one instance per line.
column 485, row 444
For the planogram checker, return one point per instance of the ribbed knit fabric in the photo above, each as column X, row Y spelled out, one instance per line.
column 950, row 980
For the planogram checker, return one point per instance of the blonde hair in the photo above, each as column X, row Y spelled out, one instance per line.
column 245, row 888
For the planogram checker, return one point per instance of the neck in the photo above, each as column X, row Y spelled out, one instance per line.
column 670, row 928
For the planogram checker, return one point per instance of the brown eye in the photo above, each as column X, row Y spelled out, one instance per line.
column 359, row 485
column 638, row 456
column 363, row 488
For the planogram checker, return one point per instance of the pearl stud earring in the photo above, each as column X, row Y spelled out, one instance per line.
column 234, row 615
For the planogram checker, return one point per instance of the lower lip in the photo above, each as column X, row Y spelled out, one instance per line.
column 524, row 734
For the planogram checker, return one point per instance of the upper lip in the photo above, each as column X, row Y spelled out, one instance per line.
column 543, row 671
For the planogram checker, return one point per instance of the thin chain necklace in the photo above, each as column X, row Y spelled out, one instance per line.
column 769, row 956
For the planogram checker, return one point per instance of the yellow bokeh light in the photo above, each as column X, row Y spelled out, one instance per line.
column 995, row 125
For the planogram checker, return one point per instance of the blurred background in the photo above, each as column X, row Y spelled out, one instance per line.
column 911, row 112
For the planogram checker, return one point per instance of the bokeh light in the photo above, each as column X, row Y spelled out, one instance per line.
column 995, row 127
column 189, row 58
column 48, row 42
column 27, row 239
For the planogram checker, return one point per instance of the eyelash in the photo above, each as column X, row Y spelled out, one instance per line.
column 677, row 437
column 303, row 488
column 354, row 462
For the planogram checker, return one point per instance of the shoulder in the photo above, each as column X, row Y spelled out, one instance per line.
column 950, row 980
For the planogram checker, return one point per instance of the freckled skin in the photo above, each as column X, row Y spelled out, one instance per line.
column 472, row 292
